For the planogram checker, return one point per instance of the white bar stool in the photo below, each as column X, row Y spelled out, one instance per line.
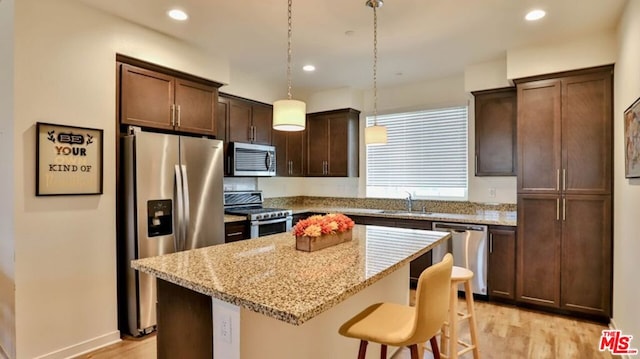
column 449, row 341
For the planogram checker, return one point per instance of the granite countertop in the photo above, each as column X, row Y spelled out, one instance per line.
column 269, row 276
column 233, row 218
column 502, row 218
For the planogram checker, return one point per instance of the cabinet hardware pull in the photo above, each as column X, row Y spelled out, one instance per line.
column 490, row 242
column 179, row 115
column 557, row 209
column 234, row 234
column 558, row 179
column 564, row 179
column 253, row 133
column 564, row 209
column 173, row 115
column 476, row 164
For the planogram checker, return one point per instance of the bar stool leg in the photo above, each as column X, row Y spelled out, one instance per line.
column 472, row 318
column 453, row 321
column 383, row 351
column 362, row 353
column 414, row 351
column 434, row 348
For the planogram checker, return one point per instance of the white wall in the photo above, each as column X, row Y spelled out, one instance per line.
column 443, row 92
column 486, row 75
column 66, row 246
column 597, row 49
column 626, row 291
column 7, row 239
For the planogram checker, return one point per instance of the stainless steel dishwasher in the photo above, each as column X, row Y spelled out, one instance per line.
column 477, row 250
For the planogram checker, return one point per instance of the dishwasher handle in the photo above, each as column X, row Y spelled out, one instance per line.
column 457, row 227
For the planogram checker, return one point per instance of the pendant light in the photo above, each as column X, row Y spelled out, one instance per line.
column 289, row 114
column 375, row 135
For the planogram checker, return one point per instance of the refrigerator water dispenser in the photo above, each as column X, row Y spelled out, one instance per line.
column 159, row 217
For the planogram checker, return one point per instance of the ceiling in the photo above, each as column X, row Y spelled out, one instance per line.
column 418, row 40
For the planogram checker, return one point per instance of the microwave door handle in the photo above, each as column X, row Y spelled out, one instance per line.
column 268, row 161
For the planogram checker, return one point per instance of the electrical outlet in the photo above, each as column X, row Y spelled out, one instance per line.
column 492, row 192
column 224, row 329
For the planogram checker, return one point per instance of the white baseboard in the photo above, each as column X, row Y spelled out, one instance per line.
column 84, row 347
column 3, row 354
column 613, row 326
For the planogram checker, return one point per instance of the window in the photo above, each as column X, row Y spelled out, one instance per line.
column 425, row 154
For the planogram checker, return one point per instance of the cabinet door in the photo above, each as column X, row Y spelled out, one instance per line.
column 538, row 250
column 279, row 141
column 502, row 262
column 236, row 231
column 239, row 127
column 495, row 127
column 338, row 160
column 586, row 254
column 587, row 133
column 295, row 152
column 261, row 119
column 538, row 138
column 146, row 98
column 197, row 107
column 317, row 145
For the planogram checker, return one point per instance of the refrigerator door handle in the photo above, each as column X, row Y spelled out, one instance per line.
column 180, row 204
column 187, row 217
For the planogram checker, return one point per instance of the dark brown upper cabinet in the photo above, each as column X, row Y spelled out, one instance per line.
column 289, row 152
column 495, row 123
column 565, row 134
column 154, row 97
column 332, row 143
column 248, row 121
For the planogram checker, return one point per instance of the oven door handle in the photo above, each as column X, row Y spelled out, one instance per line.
column 272, row 221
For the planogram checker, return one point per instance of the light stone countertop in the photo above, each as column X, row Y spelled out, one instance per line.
column 233, row 218
column 502, row 218
column 269, row 276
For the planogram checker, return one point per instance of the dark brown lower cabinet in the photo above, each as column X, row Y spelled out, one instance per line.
column 586, row 263
column 502, row 262
column 564, row 253
column 184, row 323
column 236, row 231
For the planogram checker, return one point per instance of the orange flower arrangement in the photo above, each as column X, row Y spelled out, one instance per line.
column 316, row 226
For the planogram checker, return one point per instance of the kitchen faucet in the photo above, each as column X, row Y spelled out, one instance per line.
column 409, row 202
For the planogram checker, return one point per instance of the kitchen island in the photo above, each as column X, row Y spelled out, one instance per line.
column 262, row 298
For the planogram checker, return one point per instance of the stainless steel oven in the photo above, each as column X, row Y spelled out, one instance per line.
column 261, row 228
column 263, row 221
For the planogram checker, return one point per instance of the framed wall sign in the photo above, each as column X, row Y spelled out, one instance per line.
column 632, row 140
column 68, row 160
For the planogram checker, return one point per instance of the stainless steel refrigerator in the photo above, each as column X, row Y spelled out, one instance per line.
column 173, row 195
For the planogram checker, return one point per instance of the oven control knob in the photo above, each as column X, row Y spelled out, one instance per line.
column 259, row 216
column 280, row 214
column 273, row 215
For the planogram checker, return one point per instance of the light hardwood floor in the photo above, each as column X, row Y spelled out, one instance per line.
column 505, row 332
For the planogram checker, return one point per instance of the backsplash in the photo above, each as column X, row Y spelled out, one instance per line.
column 389, row 204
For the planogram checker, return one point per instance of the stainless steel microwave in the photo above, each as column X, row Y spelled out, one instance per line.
column 248, row 159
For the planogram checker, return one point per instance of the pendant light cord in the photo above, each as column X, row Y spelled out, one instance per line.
column 289, row 53
column 375, row 66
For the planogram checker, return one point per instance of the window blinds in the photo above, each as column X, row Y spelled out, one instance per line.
column 424, row 150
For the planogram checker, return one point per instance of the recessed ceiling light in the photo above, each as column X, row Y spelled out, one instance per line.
column 177, row 14
column 309, row 68
column 534, row 15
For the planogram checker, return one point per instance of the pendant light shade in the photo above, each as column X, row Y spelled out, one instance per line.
column 375, row 135
column 289, row 115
